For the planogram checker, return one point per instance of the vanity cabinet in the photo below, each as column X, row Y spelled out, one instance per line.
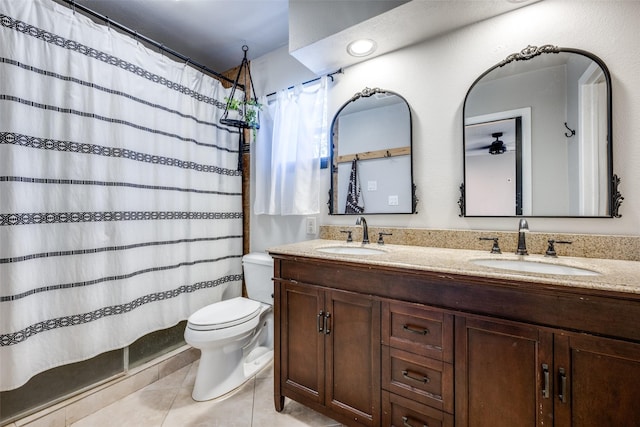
column 597, row 381
column 330, row 351
column 539, row 376
column 503, row 374
column 386, row 345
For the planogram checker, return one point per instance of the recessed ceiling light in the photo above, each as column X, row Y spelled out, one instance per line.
column 362, row 47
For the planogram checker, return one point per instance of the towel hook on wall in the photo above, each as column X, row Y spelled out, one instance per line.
column 567, row 134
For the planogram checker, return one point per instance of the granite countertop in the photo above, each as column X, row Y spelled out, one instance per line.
column 615, row 275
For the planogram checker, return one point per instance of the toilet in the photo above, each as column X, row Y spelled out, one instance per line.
column 235, row 336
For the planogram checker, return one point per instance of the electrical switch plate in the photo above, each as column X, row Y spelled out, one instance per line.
column 372, row 185
column 393, row 200
column 311, row 225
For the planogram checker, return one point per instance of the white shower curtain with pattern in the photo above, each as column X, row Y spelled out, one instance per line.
column 120, row 198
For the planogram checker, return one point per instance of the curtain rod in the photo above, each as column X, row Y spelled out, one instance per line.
column 145, row 39
column 330, row 75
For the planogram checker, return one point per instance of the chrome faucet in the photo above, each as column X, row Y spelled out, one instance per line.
column 523, row 228
column 365, row 229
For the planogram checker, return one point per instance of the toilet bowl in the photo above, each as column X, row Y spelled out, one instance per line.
column 235, row 336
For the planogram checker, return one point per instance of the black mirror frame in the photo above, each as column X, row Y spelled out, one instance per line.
column 615, row 197
column 365, row 93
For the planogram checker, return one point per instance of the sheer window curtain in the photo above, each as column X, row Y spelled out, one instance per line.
column 288, row 149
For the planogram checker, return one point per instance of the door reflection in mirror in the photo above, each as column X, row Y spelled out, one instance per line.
column 493, row 159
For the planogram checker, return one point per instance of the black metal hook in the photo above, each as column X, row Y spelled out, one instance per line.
column 567, row 134
column 330, row 75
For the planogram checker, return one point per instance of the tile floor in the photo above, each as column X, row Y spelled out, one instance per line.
column 168, row 403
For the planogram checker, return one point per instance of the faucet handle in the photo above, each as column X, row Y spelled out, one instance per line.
column 349, row 236
column 381, row 239
column 495, row 249
column 551, row 249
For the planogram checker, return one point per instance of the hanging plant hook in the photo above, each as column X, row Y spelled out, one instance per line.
column 244, row 112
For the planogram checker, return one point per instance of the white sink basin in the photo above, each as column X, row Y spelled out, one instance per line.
column 351, row 250
column 534, row 267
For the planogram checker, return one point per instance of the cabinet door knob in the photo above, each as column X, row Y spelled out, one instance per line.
column 327, row 323
column 563, row 385
column 545, row 374
column 320, row 321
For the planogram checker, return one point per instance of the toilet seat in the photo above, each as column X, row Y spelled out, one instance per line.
column 224, row 314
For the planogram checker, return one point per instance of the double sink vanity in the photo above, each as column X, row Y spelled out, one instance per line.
column 423, row 334
column 395, row 335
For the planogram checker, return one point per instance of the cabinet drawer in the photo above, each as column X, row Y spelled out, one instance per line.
column 418, row 378
column 398, row 411
column 418, row 329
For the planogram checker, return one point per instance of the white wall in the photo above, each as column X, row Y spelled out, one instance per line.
column 434, row 77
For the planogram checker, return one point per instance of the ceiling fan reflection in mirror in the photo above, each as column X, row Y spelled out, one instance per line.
column 497, row 146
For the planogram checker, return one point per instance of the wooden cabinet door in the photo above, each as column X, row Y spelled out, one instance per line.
column 502, row 374
column 302, row 341
column 597, row 382
column 353, row 356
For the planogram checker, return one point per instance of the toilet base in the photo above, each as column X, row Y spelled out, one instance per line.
column 225, row 378
column 257, row 359
column 224, row 369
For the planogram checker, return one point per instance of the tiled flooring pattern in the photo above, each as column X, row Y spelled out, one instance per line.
column 168, row 403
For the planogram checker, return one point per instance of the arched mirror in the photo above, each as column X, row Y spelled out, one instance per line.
column 538, row 136
column 371, row 167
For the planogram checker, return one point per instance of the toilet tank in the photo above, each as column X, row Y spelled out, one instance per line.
column 258, row 274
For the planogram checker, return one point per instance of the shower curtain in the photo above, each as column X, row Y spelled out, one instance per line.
column 120, row 202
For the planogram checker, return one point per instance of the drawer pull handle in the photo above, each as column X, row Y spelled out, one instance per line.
column 415, row 330
column 545, row 373
column 423, row 380
column 406, row 423
column 321, row 321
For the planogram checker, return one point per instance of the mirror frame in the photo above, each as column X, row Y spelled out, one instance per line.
column 614, row 197
column 366, row 93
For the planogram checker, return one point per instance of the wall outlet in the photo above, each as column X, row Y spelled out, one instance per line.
column 311, row 225
column 393, row 200
column 372, row 185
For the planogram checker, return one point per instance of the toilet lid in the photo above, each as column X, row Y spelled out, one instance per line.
column 225, row 313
